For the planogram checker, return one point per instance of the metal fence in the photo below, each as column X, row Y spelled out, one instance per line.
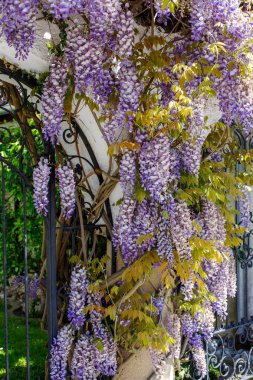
column 20, row 130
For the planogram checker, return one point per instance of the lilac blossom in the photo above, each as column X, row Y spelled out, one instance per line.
column 188, row 288
column 161, row 15
column 41, row 176
column 158, row 301
column 67, row 186
column 212, row 223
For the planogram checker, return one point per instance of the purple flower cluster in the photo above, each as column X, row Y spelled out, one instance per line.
column 155, row 167
column 174, row 329
column 208, row 18
column 191, row 150
column 78, row 296
column 83, row 364
column 89, row 360
column 188, row 288
column 158, row 301
column 159, row 362
column 164, row 240
column 200, row 361
column 161, row 15
column 221, row 281
column 59, row 353
column 134, row 221
column 54, row 91
column 92, row 75
column 127, row 171
column 221, row 276
column 181, row 227
column 93, row 57
column 129, row 89
column 106, row 357
column 41, row 176
column 33, row 284
column 17, row 24
column 198, row 327
column 62, row 9
column 244, row 207
column 212, row 223
column 67, row 186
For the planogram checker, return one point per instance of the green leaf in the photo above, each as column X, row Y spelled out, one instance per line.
column 140, row 194
column 143, row 238
column 98, row 343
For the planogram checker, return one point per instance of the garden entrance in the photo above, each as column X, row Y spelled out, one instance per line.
column 37, row 253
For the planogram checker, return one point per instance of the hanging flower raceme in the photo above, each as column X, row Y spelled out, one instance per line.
column 129, row 89
column 244, row 207
column 59, row 353
column 200, row 361
column 106, row 362
column 164, row 240
column 212, row 222
column 156, row 170
column 161, row 15
column 181, row 227
column 78, row 296
column 221, row 281
column 127, row 171
column 135, row 220
column 200, row 327
column 83, row 364
column 62, row 9
column 159, row 362
column 54, row 91
column 41, row 176
column 174, row 329
column 67, row 186
column 17, row 24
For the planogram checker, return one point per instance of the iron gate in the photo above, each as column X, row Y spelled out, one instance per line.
column 21, row 130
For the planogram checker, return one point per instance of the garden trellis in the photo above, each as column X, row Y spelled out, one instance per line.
column 147, row 73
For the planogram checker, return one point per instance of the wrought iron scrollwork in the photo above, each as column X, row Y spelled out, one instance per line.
column 230, row 352
column 244, row 253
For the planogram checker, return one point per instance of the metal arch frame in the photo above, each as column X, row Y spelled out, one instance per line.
column 70, row 136
column 93, row 163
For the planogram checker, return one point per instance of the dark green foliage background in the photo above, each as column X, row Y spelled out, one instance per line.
column 15, row 212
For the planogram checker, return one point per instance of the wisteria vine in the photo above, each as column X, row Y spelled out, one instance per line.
column 152, row 94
